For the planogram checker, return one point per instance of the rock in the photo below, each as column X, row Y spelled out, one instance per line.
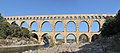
column 30, row 51
column 26, row 52
column 18, row 43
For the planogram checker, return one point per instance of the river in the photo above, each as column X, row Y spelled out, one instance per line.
column 21, row 49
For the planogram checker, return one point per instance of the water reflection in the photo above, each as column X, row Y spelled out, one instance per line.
column 22, row 49
column 19, row 49
column 46, row 45
column 25, row 48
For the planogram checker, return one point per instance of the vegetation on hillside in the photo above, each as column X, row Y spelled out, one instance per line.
column 110, row 34
column 8, row 30
column 111, row 26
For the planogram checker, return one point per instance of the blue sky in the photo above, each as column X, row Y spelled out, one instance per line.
column 33, row 7
column 38, row 7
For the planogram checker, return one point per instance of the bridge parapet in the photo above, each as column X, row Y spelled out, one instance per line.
column 62, row 16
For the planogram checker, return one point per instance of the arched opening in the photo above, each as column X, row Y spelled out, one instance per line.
column 59, row 26
column 71, row 38
column 83, row 27
column 71, row 26
column 95, row 26
column 59, row 39
column 46, row 27
column 34, row 26
column 95, row 37
column 14, row 23
column 24, row 24
column 83, row 38
column 46, row 39
column 35, row 36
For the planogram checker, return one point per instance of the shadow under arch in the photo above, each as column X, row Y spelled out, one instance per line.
column 95, row 37
column 46, row 38
column 35, row 36
column 48, row 28
column 83, row 38
column 61, row 26
column 70, row 39
column 86, row 26
column 36, row 26
column 95, row 24
column 59, row 40
column 72, row 28
column 14, row 23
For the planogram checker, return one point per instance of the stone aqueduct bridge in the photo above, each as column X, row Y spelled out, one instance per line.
column 64, row 18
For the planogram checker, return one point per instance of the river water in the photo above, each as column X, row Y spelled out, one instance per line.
column 25, row 48
column 21, row 49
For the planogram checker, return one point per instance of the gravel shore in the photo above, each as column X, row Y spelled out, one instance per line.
column 5, row 43
column 95, row 47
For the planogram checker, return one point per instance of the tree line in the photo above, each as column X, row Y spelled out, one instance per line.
column 9, row 31
column 111, row 26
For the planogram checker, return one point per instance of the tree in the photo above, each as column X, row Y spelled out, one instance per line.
column 1, row 18
column 25, row 33
column 8, row 30
column 111, row 26
column 4, row 27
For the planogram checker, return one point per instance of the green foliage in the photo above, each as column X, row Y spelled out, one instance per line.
column 111, row 26
column 2, row 19
column 25, row 33
column 12, row 30
column 4, row 28
column 52, row 43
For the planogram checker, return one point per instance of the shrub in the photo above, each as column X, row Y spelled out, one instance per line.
column 111, row 26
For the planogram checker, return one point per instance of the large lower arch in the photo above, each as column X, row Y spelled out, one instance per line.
column 46, row 37
column 95, row 26
column 83, row 38
column 46, row 27
column 35, row 36
column 34, row 26
column 83, row 27
column 71, row 26
column 59, row 38
column 59, row 26
column 95, row 37
column 24, row 24
column 71, row 38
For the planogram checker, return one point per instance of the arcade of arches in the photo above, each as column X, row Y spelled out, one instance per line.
column 78, row 26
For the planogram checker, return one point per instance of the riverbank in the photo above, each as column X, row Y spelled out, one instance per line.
column 65, row 47
column 102, row 45
column 71, row 48
column 12, row 42
column 19, row 49
column 7, row 43
column 19, row 45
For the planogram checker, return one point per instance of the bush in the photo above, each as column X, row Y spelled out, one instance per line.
column 111, row 26
column 8, row 30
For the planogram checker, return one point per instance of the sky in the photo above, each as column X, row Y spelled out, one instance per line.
column 38, row 7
